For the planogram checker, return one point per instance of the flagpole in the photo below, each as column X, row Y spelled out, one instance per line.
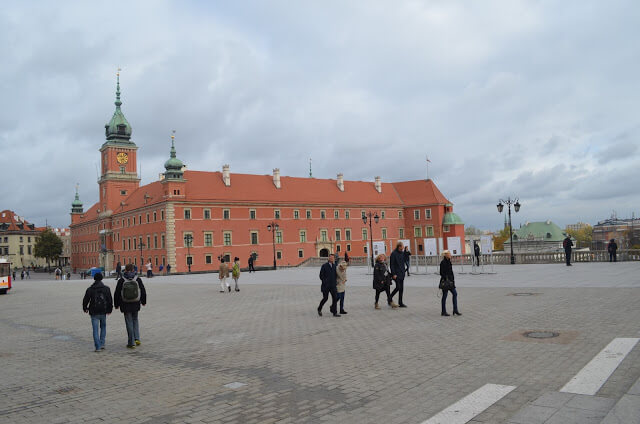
column 428, row 167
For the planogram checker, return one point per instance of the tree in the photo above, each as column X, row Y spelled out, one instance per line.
column 500, row 238
column 48, row 245
column 472, row 231
column 583, row 236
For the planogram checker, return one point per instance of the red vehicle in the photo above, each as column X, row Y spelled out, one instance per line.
column 5, row 276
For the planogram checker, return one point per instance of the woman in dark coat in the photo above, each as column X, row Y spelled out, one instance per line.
column 130, row 309
column 446, row 273
column 380, row 280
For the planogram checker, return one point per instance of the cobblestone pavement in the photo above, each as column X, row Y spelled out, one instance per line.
column 386, row 366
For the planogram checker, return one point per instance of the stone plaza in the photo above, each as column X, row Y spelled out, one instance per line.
column 263, row 355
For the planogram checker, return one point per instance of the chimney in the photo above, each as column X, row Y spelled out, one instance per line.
column 378, row 184
column 226, row 176
column 341, row 182
column 276, row 177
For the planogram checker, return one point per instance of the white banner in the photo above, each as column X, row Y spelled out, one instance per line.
column 430, row 247
column 378, row 248
column 486, row 245
column 453, row 243
column 405, row 243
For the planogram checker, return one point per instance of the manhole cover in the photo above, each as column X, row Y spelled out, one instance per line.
column 541, row 334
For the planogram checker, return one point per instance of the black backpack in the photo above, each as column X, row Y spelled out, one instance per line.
column 99, row 301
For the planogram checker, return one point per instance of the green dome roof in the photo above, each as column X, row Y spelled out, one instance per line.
column 118, row 127
column 451, row 218
column 76, row 205
column 173, row 165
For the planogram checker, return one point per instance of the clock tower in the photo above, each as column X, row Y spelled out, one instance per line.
column 119, row 174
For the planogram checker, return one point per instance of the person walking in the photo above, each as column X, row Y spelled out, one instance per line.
column 250, row 262
column 397, row 264
column 346, row 257
column 22, row 274
column 382, row 281
column 567, row 244
column 97, row 302
column 118, row 270
column 612, row 248
column 476, row 252
column 329, row 281
column 341, row 279
column 235, row 271
column 28, row 274
column 407, row 259
column 448, row 284
column 128, row 296
column 223, row 274
column 168, row 269
column 149, row 269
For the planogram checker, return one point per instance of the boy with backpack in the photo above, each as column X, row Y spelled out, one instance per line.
column 98, row 304
column 128, row 296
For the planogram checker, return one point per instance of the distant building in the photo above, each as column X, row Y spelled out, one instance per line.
column 577, row 227
column 626, row 232
column 18, row 239
column 65, row 235
column 193, row 217
column 536, row 237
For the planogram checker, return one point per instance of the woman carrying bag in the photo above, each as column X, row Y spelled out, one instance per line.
column 447, row 283
column 382, row 280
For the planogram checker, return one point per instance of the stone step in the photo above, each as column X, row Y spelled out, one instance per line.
column 564, row 408
column 627, row 409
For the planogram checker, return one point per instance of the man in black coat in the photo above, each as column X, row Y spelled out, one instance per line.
column 476, row 252
column 97, row 302
column 328, row 287
column 567, row 244
column 130, row 309
column 397, row 265
column 612, row 248
column 250, row 263
column 407, row 259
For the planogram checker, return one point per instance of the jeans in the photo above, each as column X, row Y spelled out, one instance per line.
column 133, row 330
column 612, row 257
column 334, row 298
column 567, row 255
column 341, row 299
column 399, row 289
column 386, row 290
column 444, row 300
column 101, row 321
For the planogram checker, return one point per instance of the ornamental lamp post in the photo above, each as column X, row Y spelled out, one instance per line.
column 370, row 216
column 188, row 240
column 141, row 256
column 273, row 227
column 516, row 207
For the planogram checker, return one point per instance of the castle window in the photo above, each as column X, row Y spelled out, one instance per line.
column 445, row 228
column 123, row 192
column 300, row 253
column 296, row 214
column 276, row 213
column 206, row 213
column 122, row 170
column 416, row 214
column 429, row 230
column 252, row 214
column 323, row 214
column 336, row 214
column 347, row 234
column 226, row 214
column 401, row 233
column 187, row 214
column 427, row 214
column 347, row 214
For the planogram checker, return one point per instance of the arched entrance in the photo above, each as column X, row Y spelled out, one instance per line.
column 324, row 253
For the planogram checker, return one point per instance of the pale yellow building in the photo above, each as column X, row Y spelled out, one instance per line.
column 18, row 239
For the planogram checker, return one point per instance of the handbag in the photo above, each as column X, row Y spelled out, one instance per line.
column 446, row 284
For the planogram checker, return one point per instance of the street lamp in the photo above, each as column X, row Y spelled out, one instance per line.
column 188, row 240
column 371, row 217
column 516, row 207
column 273, row 227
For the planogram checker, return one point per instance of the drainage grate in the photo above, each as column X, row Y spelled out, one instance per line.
column 541, row 334
column 522, row 294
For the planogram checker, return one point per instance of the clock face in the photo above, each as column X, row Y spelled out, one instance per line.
column 122, row 157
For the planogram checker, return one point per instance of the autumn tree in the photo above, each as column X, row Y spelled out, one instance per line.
column 48, row 245
column 583, row 236
column 501, row 237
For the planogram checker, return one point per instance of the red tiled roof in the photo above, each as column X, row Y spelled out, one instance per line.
column 9, row 217
column 419, row 192
column 260, row 188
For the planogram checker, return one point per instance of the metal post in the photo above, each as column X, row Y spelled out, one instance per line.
column 513, row 258
column 273, row 234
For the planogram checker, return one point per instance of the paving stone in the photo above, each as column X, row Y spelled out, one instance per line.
column 532, row 414
column 591, row 403
column 553, row 399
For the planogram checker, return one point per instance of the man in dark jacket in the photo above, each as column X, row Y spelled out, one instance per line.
column 567, row 244
column 250, row 263
column 407, row 259
column 476, row 252
column 129, row 303
column 397, row 265
column 98, row 304
column 329, row 281
column 612, row 248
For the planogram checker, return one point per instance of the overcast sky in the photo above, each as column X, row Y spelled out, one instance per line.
column 535, row 99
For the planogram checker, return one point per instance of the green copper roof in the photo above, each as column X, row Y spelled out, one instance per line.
column 451, row 218
column 173, row 165
column 76, row 205
column 547, row 231
column 118, row 129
